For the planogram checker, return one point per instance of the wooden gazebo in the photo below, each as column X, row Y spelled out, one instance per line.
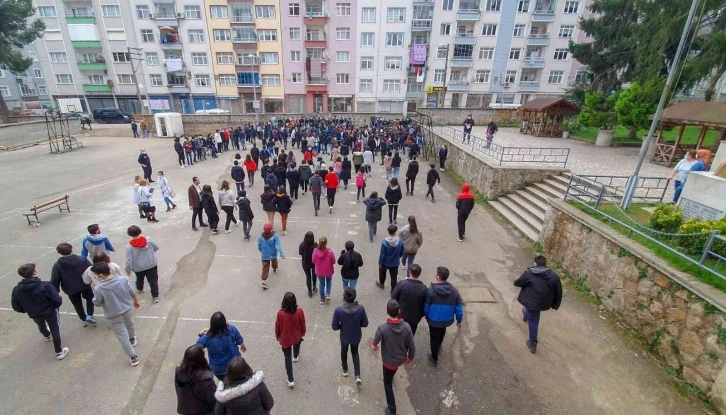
column 544, row 116
column 706, row 115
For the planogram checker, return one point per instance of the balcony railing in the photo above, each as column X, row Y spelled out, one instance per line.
column 315, row 37
column 544, row 10
column 247, row 18
column 316, row 81
column 421, row 24
column 165, row 15
column 532, row 62
column 244, row 39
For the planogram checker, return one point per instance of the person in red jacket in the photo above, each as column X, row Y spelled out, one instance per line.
column 289, row 331
column 331, row 185
column 309, row 155
column 251, row 168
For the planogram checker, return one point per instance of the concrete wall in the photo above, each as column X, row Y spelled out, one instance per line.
column 31, row 132
column 677, row 314
column 456, row 116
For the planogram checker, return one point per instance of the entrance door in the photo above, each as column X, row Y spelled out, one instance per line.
column 318, row 103
column 455, row 100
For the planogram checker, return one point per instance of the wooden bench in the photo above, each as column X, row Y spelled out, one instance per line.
column 61, row 203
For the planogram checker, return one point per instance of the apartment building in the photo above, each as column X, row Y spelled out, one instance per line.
column 28, row 90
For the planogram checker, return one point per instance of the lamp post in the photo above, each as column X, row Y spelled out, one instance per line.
column 255, row 103
column 446, row 69
column 135, row 55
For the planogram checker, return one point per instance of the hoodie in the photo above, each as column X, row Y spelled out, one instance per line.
column 374, row 209
column 67, row 274
column 541, row 289
column 222, row 348
column 465, row 201
column 245, row 209
column 293, row 177
column 226, row 198
column 432, row 177
column 393, row 195
column 412, row 170
column 238, row 174
column 396, row 342
column 305, row 173
column 443, row 304
column 95, row 244
column 268, row 201
column 249, row 398
column 411, row 295
column 92, row 279
column 114, row 295
column 391, row 252
column 141, row 254
column 268, row 243
column 350, row 318
column 35, row 297
column 283, row 202
column 195, row 392
column 350, row 262
column 324, row 262
column 411, row 241
column 316, row 184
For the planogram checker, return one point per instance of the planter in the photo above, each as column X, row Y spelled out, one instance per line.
column 604, row 138
column 565, row 134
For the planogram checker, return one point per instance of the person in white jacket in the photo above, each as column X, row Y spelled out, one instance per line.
column 166, row 191
column 136, row 197
column 146, row 200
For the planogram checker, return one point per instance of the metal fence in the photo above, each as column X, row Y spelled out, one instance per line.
column 596, row 189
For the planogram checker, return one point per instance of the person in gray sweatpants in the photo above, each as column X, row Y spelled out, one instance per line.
column 118, row 299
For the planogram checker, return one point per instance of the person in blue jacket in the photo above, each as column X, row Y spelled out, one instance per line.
column 390, row 257
column 268, row 243
column 443, row 305
column 223, row 343
column 349, row 318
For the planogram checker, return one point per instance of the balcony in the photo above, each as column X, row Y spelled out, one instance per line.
column 538, row 40
column 543, row 13
column 533, row 62
column 166, row 17
column 528, row 86
column 244, row 43
column 96, row 88
column 86, row 43
column 315, row 13
column 465, row 39
column 421, row 25
column 175, row 64
column 80, row 19
column 462, row 62
column 92, row 66
column 315, row 39
column 457, row 86
column 316, row 84
column 163, row 1
column 242, row 19
column 179, row 88
column 469, row 11
column 415, row 96
column 170, row 41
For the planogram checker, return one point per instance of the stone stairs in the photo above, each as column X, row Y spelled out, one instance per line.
column 525, row 208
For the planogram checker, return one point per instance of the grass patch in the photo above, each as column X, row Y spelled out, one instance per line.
column 690, row 135
column 478, row 197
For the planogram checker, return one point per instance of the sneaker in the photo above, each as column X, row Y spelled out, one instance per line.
column 236, row 224
column 327, row 299
column 532, row 346
column 49, row 338
column 460, row 239
column 274, row 270
column 228, row 231
column 134, row 361
column 379, row 285
column 91, row 320
column 284, row 233
column 290, row 384
column 85, row 322
column 62, row 354
column 215, row 232
column 433, row 362
column 264, row 286
column 295, row 359
column 140, row 291
column 322, row 302
column 310, row 294
column 330, row 210
column 345, row 373
column 194, row 228
column 358, row 380
column 156, row 299
column 133, row 341
column 316, row 213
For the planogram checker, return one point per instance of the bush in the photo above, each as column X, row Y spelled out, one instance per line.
column 666, row 218
column 695, row 244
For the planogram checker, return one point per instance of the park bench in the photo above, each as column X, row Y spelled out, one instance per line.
column 61, row 203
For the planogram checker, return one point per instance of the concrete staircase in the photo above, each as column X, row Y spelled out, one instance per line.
column 525, row 208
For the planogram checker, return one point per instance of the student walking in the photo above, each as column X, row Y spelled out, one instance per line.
column 443, row 305
column 136, row 196
column 238, row 175
column 243, row 391
column 432, row 177
column 40, row 301
column 194, row 383
column 305, row 250
column 360, row 184
column 316, row 186
column 141, row 260
column 541, row 289
column 251, row 168
column 245, row 213
column 331, row 186
column 412, row 239
column 118, row 299
column 349, row 319
column 210, row 208
column 268, row 243
column 443, row 154
column 464, row 206
column 345, row 172
column 95, row 243
column 395, row 165
column 305, row 174
column 166, row 191
column 223, row 343
column 146, row 200
column 395, row 340
column 324, row 261
column 374, row 213
column 350, row 263
column 227, row 201
column 387, row 160
column 411, row 295
column 92, row 279
column 393, row 197
column 389, row 258
column 267, row 198
column 283, row 203
column 67, row 274
column 195, row 203
column 290, row 330
column 368, row 160
column 411, row 173
column 293, row 180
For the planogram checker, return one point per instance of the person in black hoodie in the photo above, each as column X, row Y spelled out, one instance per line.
column 245, row 213
column 464, row 206
column 432, row 177
column 267, row 198
column 411, row 295
column 238, row 175
column 350, row 262
column 349, row 318
column 243, row 391
column 411, row 174
column 280, row 170
column 393, row 197
column 306, row 254
column 395, row 165
column 67, row 274
column 210, row 208
column 541, row 290
column 194, row 384
column 179, row 148
column 283, row 202
column 293, row 180
column 345, row 173
column 40, row 300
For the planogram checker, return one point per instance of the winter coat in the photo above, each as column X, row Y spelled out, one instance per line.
column 357, row 158
column 35, row 297
column 249, row 398
column 349, row 318
column 268, row 201
column 432, row 177
column 324, row 262
column 387, row 163
column 374, row 209
column 345, row 173
column 411, row 295
column 290, row 328
column 393, row 195
column 208, row 203
column 293, row 177
column 269, row 246
column 280, row 173
column 316, row 184
column 283, row 202
column 272, row 181
column 305, row 173
column 541, row 289
column 350, row 262
column 396, row 162
column 411, row 241
column 306, row 253
column 245, row 209
column 368, row 157
column 226, row 198
column 68, row 272
column 222, row 348
column 412, row 170
column 195, row 393
column 443, row 153
column 238, row 174
column 141, row 254
column 95, row 244
column 443, row 305
column 391, row 252
column 465, row 201
column 396, row 342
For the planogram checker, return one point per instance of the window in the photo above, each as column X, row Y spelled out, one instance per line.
column 442, row 52
column 367, row 40
column 294, row 33
column 489, row 30
column 463, row 51
column 482, row 76
column 447, row 5
column 315, row 53
column 248, row 78
column 392, row 64
column 515, row 54
column 572, row 7
column 486, row 53
column 296, row 78
column 396, row 14
column 342, row 33
column 295, row 56
column 243, row 34
column 342, row 56
column 505, row 99
column 42, row 90
column 445, row 29
column 366, row 85
column 37, row 73
column 142, row 12
column 52, row 35
column 369, row 15
column 294, row 9
column 556, row 77
column 265, row 12
column 192, row 12
column 2, row 73
column 583, row 77
column 225, row 58
column 510, row 77
column 156, row 80
column 227, row 80
column 391, row 85
column 342, row 9
column 47, row 11
column 96, row 80
column 116, row 35
column 267, row 35
column 566, row 31
column 90, row 57
column 56, row 57
column 342, row 78
column 199, row 58
column 246, row 59
column 111, row 11
column 147, row 36
column 196, row 36
column 561, row 54
column 203, row 80
column 271, row 80
column 33, row 55
column 222, row 35
column 126, row 79
column 519, row 30
column 394, row 39
column 219, row 12
column 152, row 58
column 366, row 63
column 523, row 6
column 4, row 91
column 269, row 58
column 439, row 75
column 493, row 5
column 121, row 57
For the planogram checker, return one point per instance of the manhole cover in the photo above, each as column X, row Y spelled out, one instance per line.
column 477, row 295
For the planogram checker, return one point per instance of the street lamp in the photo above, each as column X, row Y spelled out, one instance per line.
column 135, row 55
column 255, row 103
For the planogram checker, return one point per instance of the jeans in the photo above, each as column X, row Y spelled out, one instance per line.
column 679, row 188
column 289, row 353
column 197, row 211
column 190, row 160
column 266, row 268
column 388, row 175
column 331, row 197
column 294, row 191
column 407, row 261
column 240, row 186
column 123, row 327
column 532, row 317
column 349, row 282
column 246, row 227
column 324, row 284
column 86, row 294
column 311, row 280
column 304, row 184
column 437, row 337
column 361, row 190
column 393, row 271
column 251, row 177
column 181, row 159
column 368, row 168
column 441, row 163
column 169, row 202
column 461, row 223
column 344, row 358
column 388, row 387
column 431, row 192
column 152, row 276
column 49, row 325
column 392, row 213
column 372, row 229
column 395, row 171
column 145, row 133
column 316, row 201
column 410, row 181
column 229, row 211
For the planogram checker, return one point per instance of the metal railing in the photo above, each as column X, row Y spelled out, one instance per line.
column 544, row 10
column 596, row 189
column 421, row 23
column 242, row 18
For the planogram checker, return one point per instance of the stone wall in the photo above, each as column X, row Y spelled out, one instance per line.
column 21, row 134
column 682, row 318
column 456, row 116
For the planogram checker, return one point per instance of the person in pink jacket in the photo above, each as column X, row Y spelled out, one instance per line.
column 324, row 261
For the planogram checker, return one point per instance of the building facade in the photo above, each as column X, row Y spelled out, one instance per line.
column 29, row 91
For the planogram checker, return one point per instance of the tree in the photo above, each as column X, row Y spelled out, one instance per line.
column 599, row 111
column 636, row 104
column 15, row 32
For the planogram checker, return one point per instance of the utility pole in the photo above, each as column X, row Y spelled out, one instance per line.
column 633, row 180
column 446, row 70
column 255, row 103
column 135, row 55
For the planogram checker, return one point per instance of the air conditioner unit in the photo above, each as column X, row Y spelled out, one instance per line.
column 151, row 16
column 506, row 84
column 180, row 15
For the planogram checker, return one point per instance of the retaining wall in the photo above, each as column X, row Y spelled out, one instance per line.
column 21, row 134
column 456, row 116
